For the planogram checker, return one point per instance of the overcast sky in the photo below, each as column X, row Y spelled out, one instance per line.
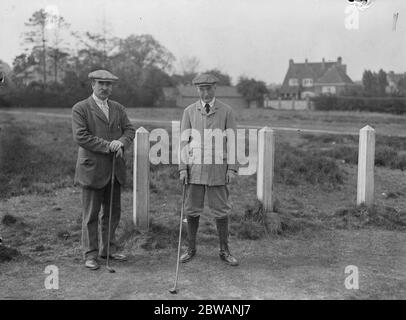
column 255, row 38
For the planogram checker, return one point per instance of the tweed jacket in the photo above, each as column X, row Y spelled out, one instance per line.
column 93, row 133
column 221, row 116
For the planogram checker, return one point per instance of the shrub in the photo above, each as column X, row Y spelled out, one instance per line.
column 378, row 104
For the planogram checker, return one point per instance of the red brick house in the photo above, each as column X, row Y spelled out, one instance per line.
column 315, row 78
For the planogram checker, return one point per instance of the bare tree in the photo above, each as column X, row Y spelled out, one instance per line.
column 189, row 65
column 37, row 36
column 58, row 51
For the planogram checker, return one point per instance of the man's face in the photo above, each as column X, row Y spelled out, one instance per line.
column 102, row 89
column 207, row 93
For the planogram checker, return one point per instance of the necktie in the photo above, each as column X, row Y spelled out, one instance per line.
column 207, row 107
column 105, row 109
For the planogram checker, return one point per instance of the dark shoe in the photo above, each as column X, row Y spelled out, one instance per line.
column 92, row 264
column 187, row 255
column 116, row 257
column 225, row 255
column 228, row 258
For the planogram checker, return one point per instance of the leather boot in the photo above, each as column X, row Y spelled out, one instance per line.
column 225, row 255
column 192, row 226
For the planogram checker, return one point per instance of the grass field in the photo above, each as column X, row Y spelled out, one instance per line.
column 315, row 187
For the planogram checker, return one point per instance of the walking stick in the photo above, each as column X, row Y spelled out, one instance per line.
column 174, row 289
column 111, row 270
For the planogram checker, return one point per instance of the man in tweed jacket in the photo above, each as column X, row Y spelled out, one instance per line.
column 201, row 177
column 100, row 128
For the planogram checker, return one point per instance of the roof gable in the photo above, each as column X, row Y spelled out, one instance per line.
column 334, row 74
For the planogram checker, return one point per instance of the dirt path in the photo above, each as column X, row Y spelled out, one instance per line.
column 285, row 268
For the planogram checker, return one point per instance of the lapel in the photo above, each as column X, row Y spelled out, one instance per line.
column 96, row 110
column 203, row 110
column 214, row 108
column 113, row 112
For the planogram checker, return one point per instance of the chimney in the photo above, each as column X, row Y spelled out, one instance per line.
column 306, row 61
column 339, row 61
column 323, row 64
column 290, row 62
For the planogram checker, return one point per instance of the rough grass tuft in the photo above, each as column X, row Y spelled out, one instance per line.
column 385, row 217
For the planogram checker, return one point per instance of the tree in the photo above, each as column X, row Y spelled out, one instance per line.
column 188, row 66
column 57, row 49
column 224, row 79
column 36, row 36
column 141, row 63
column 251, row 89
column 144, row 51
column 382, row 83
column 369, row 82
column 374, row 83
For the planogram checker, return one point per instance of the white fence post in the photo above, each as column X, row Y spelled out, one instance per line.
column 141, row 179
column 265, row 169
column 366, row 162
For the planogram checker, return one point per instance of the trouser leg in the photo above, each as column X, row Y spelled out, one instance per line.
column 115, row 218
column 218, row 199
column 92, row 200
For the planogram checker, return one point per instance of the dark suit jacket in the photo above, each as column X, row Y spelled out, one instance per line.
column 93, row 133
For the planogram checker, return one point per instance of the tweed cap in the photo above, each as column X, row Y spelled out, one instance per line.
column 102, row 75
column 204, row 79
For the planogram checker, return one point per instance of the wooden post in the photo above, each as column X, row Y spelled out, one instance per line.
column 366, row 162
column 141, row 179
column 265, row 169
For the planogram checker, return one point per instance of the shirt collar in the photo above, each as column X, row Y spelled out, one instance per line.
column 99, row 101
column 211, row 103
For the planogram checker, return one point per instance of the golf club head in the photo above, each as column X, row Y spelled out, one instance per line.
column 173, row 291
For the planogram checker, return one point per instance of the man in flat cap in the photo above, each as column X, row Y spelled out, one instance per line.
column 200, row 177
column 101, row 128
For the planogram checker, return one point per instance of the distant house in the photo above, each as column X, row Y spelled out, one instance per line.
column 310, row 79
column 393, row 82
column 182, row 96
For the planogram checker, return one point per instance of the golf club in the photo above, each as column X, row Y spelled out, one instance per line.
column 174, row 289
column 110, row 269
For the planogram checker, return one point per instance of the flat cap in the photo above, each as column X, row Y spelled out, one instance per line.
column 102, row 75
column 204, row 79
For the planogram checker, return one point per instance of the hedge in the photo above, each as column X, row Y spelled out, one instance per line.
column 337, row 103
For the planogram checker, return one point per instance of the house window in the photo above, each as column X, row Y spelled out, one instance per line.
column 293, row 82
column 328, row 89
column 307, row 82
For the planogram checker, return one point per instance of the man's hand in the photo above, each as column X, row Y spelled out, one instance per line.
column 230, row 176
column 115, row 145
column 183, row 176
